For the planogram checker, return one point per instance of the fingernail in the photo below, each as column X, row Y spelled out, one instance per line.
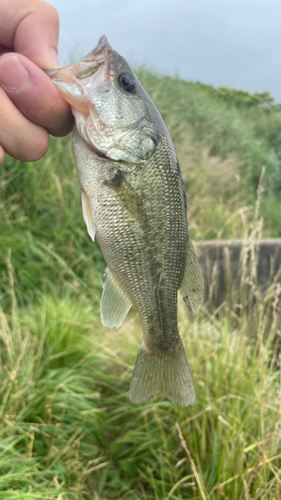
column 13, row 75
column 55, row 59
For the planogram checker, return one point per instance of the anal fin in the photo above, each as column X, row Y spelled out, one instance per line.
column 114, row 303
column 192, row 286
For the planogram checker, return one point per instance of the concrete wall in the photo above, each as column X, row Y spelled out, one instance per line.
column 226, row 262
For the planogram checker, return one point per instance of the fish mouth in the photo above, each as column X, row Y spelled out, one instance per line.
column 74, row 82
column 90, row 63
column 100, row 52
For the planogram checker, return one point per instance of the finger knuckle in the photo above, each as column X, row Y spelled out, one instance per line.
column 38, row 147
column 47, row 110
column 51, row 12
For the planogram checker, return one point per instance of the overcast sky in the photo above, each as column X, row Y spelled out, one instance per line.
column 233, row 43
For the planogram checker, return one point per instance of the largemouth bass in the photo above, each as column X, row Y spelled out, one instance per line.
column 134, row 202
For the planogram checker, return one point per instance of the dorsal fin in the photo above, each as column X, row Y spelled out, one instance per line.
column 192, row 285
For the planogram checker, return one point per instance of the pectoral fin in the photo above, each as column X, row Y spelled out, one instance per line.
column 192, row 286
column 88, row 217
column 127, row 195
column 114, row 304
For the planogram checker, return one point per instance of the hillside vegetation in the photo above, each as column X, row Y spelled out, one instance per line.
column 68, row 429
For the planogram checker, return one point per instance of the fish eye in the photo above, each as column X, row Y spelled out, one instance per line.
column 127, row 82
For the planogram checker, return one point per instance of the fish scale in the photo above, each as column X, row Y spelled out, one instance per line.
column 134, row 201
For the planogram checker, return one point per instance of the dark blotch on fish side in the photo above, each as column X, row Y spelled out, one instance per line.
column 127, row 195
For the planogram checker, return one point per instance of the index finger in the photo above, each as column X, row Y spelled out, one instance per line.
column 31, row 27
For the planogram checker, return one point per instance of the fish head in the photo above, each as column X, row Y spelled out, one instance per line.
column 113, row 113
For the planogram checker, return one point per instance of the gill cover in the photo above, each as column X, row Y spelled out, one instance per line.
column 110, row 107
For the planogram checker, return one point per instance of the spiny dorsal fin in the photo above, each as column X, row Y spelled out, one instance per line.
column 114, row 303
column 192, row 286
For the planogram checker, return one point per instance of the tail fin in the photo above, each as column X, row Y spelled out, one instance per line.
column 169, row 374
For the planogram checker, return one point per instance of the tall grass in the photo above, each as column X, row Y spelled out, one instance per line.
column 68, row 430
column 68, row 427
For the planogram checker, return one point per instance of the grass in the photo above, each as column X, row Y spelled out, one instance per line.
column 68, row 430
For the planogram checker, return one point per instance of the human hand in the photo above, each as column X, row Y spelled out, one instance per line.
column 30, row 106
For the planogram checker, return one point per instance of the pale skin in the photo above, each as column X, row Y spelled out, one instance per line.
column 30, row 106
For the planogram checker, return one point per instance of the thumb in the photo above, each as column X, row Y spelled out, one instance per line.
column 32, row 29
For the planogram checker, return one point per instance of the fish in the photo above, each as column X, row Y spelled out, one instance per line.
column 134, row 203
